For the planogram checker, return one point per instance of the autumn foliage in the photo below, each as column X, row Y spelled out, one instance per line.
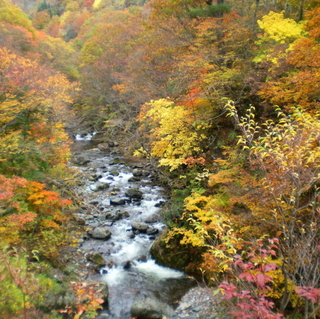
column 222, row 99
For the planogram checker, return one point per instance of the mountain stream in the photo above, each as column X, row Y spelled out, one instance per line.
column 126, row 204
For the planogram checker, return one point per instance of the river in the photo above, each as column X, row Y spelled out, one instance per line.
column 123, row 199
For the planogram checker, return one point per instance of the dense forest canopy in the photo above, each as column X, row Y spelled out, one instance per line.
column 221, row 97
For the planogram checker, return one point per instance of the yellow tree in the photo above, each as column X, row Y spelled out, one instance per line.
column 175, row 133
column 293, row 67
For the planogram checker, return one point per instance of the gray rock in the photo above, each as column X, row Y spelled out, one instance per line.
column 149, row 308
column 199, row 303
column 152, row 231
column 152, row 219
column 81, row 160
column 137, row 172
column 119, row 201
column 95, row 177
column 102, row 186
column 103, row 147
column 140, row 172
column 113, row 216
column 140, row 227
column 101, row 233
column 80, row 221
column 134, row 193
column 160, row 204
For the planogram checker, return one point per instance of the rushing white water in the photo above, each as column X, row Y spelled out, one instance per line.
column 130, row 271
column 150, row 267
column 85, row 137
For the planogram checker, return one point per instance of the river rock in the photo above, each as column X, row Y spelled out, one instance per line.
column 102, row 186
column 152, row 219
column 99, row 186
column 134, row 193
column 114, row 173
column 97, row 259
column 103, row 147
column 140, row 227
column 150, row 308
column 100, row 233
column 95, row 177
column 199, row 302
column 79, row 220
column 113, row 216
column 152, row 231
column 119, row 201
column 137, row 172
column 160, row 204
column 81, row 160
column 127, row 265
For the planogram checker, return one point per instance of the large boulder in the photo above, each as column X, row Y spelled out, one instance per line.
column 100, row 233
column 200, row 302
column 134, row 193
column 139, row 227
column 113, row 216
column 150, row 308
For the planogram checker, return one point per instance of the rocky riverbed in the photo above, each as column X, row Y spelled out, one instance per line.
column 121, row 218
